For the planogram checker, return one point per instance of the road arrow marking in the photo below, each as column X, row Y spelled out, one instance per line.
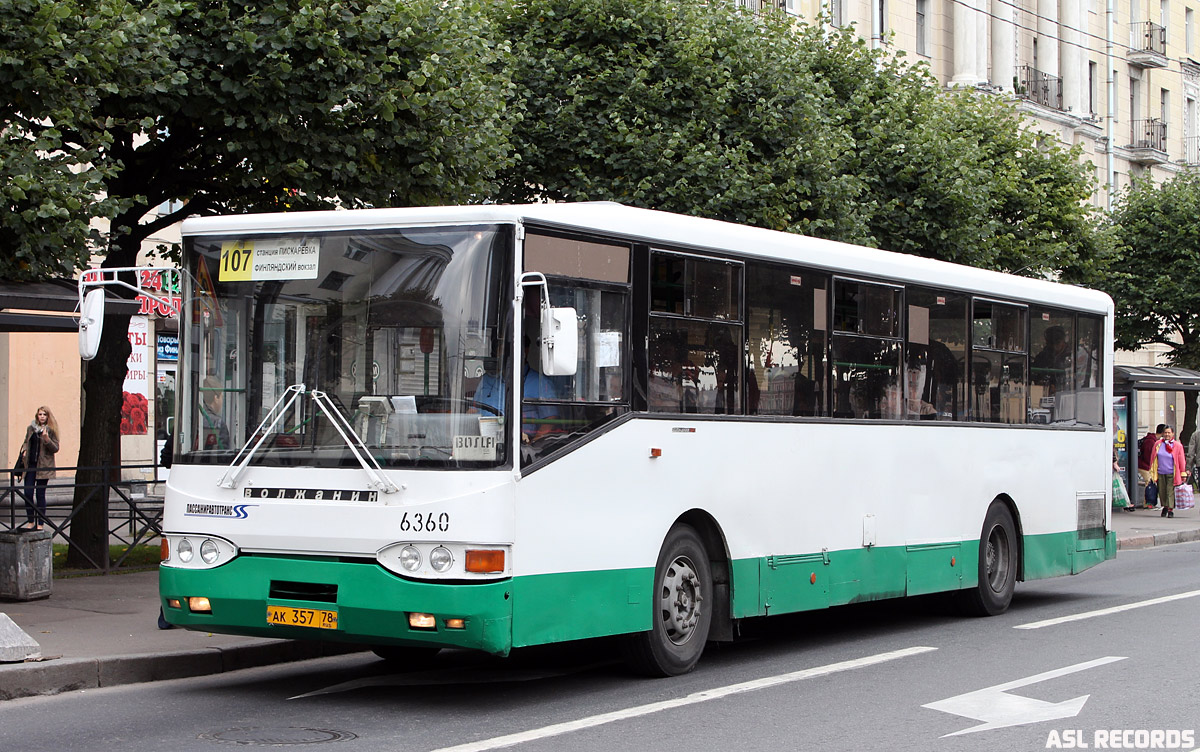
column 998, row 709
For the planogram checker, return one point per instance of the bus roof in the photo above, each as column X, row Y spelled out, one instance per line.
column 675, row 231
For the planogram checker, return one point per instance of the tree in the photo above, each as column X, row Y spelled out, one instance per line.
column 706, row 109
column 953, row 175
column 228, row 106
column 688, row 107
column 1153, row 274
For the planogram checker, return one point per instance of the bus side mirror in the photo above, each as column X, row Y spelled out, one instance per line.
column 560, row 341
column 91, row 323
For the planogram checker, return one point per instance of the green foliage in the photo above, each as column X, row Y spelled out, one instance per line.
column 1153, row 274
column 687, row 107
column 705, row 109
column 235, row 106
column 954, row 175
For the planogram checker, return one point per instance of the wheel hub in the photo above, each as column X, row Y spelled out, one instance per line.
column 680, row 600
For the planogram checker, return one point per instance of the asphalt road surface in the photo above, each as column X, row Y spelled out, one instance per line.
column 1106, row 659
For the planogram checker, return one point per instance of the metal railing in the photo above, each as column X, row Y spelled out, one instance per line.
column 1038, row 87
column 132, row 510
column 1191, row 149
column 1148, row 134
column 1147, row 36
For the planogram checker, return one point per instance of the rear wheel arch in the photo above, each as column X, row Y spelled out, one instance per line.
column 1007, row 501
column 715, row 544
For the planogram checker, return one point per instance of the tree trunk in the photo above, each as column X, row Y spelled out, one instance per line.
column 99, row 433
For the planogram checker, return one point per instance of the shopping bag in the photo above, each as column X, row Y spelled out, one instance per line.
column 1120, row 498
column 1184, row 498
column 1151, row 494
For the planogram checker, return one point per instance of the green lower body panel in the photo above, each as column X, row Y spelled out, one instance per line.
column 372, row 604
column 801, row 582
column 1066, row 553
column 579, row 605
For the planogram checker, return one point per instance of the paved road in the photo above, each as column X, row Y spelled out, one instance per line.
column 896, row 676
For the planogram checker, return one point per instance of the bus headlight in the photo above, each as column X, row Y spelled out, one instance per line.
column 441, row 559
column 209, row 551
column 410, row 558
column 213, row 552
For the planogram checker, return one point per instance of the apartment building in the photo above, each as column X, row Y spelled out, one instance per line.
column 1115, row 76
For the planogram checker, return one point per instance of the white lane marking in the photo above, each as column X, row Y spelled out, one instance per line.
column 998, row 709
column 1107, row 611
column 717, row 693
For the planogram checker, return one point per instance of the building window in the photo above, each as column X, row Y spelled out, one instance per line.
column 834, row 9
column 1092, row 88
column 922, row 32
column 1164, row 105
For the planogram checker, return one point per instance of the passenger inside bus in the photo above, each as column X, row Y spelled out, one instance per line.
column 214, row 433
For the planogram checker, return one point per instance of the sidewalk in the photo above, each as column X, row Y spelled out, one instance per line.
column 103, row 631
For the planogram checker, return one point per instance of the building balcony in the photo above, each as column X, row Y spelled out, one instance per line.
column 1038, row 87
column 1147, row 45
column 1148, row 141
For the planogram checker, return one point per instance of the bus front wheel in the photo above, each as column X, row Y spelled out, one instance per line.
column 682, row 604
column 997, row 565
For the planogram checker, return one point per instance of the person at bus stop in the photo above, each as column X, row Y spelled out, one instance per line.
column 37, row 458
column 214, row 433
column 1145, row 455
column 1170, row 467
column 1193, row 455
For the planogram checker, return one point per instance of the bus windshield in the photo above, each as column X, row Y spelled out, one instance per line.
column 397, row 328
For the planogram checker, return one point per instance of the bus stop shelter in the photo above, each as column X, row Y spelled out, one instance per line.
column 40, row 306
column 1128, row 383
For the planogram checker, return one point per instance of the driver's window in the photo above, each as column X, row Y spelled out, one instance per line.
column 591, row 277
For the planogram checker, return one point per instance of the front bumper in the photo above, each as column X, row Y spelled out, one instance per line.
column 372, row 604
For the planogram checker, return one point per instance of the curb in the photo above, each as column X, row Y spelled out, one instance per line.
column 1157, row 539
column 35, row 678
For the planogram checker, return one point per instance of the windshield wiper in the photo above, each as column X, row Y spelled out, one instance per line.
column 340, row 424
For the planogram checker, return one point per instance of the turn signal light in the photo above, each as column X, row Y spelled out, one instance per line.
column 164, row 550
column 485, row 560
column 456, row 623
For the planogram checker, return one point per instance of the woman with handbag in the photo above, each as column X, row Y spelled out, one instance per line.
column 1170, row 467
column 37, row 458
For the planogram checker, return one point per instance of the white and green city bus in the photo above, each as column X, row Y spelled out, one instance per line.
column 491, row 427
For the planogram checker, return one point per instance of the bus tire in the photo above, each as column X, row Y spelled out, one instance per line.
column 410, row 658
column 682, row 604
column 997, row 565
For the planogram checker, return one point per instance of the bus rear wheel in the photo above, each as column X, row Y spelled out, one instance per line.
column 997, row 565
column 682, row 608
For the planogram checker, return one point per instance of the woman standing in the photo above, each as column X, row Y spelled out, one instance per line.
column 37, row 454
column 1170, row 467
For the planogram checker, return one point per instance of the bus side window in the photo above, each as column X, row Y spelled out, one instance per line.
column 786, row 339
column 937, row 343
